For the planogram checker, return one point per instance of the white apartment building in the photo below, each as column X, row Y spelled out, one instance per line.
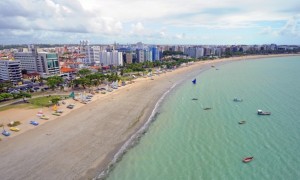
column 148, row 55
column 140, row 55
column 194, row 52
column 111, row 58
column 92, row 53
column 10, row 70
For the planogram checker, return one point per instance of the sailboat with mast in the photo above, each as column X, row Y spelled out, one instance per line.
column 194, row 81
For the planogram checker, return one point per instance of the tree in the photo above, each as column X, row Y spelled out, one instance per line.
column 5, row 85
column 24, row 95
column 84, row 72
column 54, row 81
column 5, row 96
column 81, row 81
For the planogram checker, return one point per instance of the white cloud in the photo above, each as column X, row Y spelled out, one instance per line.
column 180, row 36
column 138, row 29
column 292, row 26
column 140, row 18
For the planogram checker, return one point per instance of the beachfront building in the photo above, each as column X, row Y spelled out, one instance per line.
column 140, row 56
column 155, row 53
column 91, row 53
column 128, row 58
column 111, row 58
column 194, row 52
column 148, row 55
column 10, row 70
column 48, row 63
column 94, row 55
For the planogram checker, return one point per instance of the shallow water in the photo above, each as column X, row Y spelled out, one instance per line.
column 187, row 142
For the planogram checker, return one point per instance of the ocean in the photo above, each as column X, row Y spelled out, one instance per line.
column 186, row 142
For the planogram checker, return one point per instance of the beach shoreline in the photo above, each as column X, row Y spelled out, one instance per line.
column 119, row 120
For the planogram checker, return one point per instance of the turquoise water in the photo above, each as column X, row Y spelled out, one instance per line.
column 187, row 142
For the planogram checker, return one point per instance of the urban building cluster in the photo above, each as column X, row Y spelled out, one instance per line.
column 17, row 64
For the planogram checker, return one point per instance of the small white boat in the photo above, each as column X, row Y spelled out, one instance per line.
column 260, row 112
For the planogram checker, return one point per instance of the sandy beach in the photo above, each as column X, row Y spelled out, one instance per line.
column 81, row 143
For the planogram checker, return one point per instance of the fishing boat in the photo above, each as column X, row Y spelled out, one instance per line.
column 242, row 122
column 56, row 114
column 35, row 123
column 44, row 117
column 237, row 99
column 14, row 129
column 248, row 159
column 5, row 133
column 260, row 112
column 207, row 108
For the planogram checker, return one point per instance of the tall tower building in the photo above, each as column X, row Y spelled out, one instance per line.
column 10, row 70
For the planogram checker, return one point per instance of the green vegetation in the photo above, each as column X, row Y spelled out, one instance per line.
column 4, row 86
column 45, row 101
column 54, row 81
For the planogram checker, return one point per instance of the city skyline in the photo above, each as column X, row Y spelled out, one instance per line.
column 152, row 22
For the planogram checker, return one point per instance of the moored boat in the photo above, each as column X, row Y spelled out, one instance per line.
column 242, row 122
column 207, row 108
column 248, row 159
column 260, row 112
column 237, row 99
column 5, row 133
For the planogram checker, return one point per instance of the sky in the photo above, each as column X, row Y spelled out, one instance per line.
column 209, row 22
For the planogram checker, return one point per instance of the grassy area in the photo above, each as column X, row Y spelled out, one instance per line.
column 45, row 101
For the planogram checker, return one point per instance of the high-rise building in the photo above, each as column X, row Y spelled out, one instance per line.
column 111, row 58
column 91, row 53
column 140, row 55
column 155, row 53
column 148, row 55
column 44, row 63
column 10, row 70
column 194, row 52
column 94, row 54
column 128, row 58
column 28, row 59
column 49, row 63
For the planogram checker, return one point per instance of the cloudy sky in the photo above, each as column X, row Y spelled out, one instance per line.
column 150, row 21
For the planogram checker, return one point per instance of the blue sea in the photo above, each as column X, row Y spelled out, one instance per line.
column 186, row 142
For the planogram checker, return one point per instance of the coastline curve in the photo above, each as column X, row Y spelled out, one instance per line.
column 134, row 138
